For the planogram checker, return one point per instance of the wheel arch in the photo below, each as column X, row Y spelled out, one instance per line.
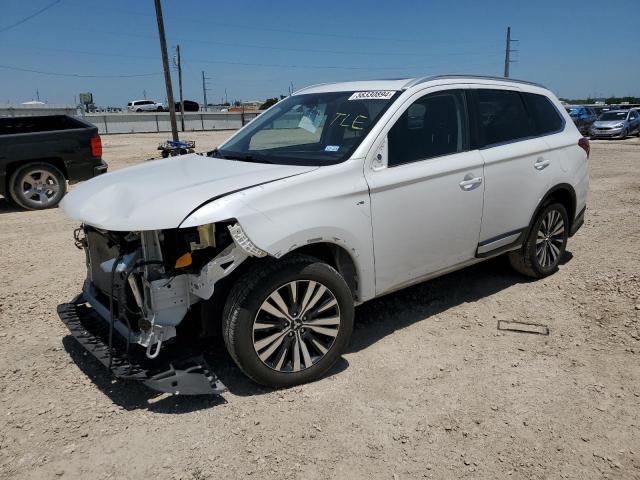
column 563, row 193
column 337, row 257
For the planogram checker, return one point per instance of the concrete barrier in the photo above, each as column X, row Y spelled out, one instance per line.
column 29, row 111
column 153, row 122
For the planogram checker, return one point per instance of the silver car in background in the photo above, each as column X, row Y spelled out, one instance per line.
column 616, row 124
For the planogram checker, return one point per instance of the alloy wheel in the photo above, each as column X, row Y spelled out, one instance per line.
column 40, row 187
column 550, row 239
column 296, row 326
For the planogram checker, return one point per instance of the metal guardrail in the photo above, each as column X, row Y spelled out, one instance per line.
column 153, row 122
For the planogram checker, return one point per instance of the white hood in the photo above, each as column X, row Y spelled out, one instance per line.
column 161, row 193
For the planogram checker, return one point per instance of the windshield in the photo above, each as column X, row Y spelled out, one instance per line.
column 610, row 116
column 312, row 129
column 574, row 111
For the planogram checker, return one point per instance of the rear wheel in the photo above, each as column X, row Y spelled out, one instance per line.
column 540, row 255
column 37, row 186
column 287, row 322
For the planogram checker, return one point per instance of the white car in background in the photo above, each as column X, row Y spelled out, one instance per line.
column 145, row 106
column 336, row 195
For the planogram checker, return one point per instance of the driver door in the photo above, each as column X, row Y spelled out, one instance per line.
column 427, row 198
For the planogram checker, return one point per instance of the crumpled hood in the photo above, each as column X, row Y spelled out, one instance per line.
column 159, row 194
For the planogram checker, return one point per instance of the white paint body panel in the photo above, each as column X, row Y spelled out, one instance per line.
column 416, row 218
column 161, row 193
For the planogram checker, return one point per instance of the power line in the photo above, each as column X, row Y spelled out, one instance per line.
column 263, row 64
column 372, row 52
column 78, row 75
column 20, row 22
column 281, row 30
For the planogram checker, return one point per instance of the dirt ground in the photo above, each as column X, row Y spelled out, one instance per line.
column 429, row 387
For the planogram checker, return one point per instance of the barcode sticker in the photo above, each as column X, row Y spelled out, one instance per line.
column 373, row 95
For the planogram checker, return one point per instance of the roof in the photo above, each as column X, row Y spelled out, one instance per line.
column 405, row 83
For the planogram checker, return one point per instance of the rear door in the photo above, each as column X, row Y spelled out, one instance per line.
column 518, row 166
column 426, row 202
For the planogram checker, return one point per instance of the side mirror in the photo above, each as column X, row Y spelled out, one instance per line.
column 381, row 155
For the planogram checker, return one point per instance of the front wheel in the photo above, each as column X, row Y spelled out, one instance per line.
column 546, row 242
column 287, row 322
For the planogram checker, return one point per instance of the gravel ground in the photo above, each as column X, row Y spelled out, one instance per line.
column 429, row 388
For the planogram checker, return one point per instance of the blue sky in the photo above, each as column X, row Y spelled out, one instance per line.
column 256, row 49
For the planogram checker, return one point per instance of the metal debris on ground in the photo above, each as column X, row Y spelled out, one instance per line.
column 523, row 327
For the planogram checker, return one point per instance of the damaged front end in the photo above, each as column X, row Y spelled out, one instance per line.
column 139, row 310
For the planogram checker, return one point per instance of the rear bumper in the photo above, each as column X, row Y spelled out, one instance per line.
column 86, row 169
column 100, row 169
column 176, row 370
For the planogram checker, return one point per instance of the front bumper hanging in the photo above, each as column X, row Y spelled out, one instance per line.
column 175, row 371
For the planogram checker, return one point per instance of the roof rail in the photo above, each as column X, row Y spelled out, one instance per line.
column 417, row 81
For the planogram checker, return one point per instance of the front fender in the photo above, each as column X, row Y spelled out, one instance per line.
column 329, row 205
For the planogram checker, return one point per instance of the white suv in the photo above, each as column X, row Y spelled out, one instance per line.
column 336, row 195
column 145, row 106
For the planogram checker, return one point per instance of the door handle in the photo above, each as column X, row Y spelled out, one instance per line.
column 470, row 182
column 541, row 163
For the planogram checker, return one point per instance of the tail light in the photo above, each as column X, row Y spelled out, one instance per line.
column 96, row 146
column 583, row 143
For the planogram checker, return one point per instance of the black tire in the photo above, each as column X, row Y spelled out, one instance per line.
column 42, row 198
column 160, row 109
column 526, row 260
column 139, row 110
column 623, row 135
column 244, row 304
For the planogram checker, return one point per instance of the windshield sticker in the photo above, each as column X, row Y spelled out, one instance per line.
column 373, row 95
column 312, row 118
column 331, row 148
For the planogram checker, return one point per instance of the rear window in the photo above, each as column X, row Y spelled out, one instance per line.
column 503, row 117
column 544, row 115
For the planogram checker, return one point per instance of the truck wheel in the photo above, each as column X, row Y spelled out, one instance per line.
column 540, row 255
column 37, row 186
column 287, row 322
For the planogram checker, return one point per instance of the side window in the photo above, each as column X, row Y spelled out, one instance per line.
column 433, row 126
column 503, row 117
column 545, row 116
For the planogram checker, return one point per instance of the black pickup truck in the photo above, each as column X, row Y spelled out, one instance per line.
column 38, row 155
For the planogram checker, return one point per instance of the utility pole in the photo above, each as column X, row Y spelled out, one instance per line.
column 179, row 65
column 204, row 90
column 167, row 73
column 226, row 99
column 507, row 53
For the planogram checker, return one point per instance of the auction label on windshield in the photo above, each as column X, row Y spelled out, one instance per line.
column 373, row 95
